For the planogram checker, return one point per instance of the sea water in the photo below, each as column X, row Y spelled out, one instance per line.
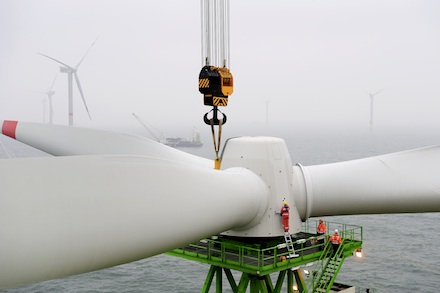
column 401, row 251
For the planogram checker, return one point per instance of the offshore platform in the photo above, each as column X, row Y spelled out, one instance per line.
column 258, row 259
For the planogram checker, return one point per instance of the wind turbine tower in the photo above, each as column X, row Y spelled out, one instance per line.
column 72, row 71
column 372, row 106
column 44, row 110
column 49, row 94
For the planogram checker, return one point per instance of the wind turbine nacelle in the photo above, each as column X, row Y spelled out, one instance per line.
column 269, row 158
column 65, row 69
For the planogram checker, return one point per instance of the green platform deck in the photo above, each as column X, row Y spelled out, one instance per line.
column 262, row 257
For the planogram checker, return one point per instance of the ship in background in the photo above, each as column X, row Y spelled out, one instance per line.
column 193, row 141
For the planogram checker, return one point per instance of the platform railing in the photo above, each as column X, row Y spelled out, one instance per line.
column 347, row 231
column 254, row 257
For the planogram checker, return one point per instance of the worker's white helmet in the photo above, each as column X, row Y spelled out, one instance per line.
column 336, row 231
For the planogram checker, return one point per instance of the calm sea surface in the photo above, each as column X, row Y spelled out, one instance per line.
column 402, row 251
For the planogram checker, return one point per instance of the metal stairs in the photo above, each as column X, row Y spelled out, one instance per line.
column 326, row 269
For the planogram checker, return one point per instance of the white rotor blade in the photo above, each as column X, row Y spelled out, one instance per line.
column 61, row 140
column 403, row 182
column 82, row 59
column 57, row 61
column 82, row 94
column 53, row 83
column 61, row 216
column 379, row 91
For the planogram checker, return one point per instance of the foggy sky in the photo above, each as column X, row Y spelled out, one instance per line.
column 313, row 61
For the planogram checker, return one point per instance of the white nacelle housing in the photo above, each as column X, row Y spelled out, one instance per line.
column 269, row 158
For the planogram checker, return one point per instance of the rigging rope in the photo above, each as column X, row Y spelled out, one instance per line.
column 217, row 143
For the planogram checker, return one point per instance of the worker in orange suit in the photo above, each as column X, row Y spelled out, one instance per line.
column 321, row 227
column 336, row 240
column 321, row 231
column 285, row 216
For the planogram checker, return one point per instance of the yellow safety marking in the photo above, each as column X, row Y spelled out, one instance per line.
column 203, row 83
column 218, row 101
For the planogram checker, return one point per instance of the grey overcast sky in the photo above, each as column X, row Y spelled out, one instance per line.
column 314, row 62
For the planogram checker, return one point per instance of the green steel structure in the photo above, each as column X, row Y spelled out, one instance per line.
column 258, row 258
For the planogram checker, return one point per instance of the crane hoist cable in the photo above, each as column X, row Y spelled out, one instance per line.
column 216, row 82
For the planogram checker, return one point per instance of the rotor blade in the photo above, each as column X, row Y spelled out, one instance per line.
column 379, row 91
column 53, row 83
column 403, row 182
column 81, row 92
column 86, row 53
column 56, row 61
column 60, row 140
column 61, row 216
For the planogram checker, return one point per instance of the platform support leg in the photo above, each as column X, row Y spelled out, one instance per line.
column 301, row 283
column 268, row 282
column 254, row 285
column 244, row 281
column 290, row 282
column 219, row 280
column 257, row 284
column 231, row 280
column 280, row 281
column 208, row 280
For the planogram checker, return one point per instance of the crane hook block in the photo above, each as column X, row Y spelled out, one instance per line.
column 216, row 84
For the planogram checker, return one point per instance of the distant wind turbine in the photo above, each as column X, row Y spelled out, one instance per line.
column 44, row 110
column 49, row 94
column 70, row 72
column 372, row 106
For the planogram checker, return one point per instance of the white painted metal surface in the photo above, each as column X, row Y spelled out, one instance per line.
column 269, row 158
column 60, row 140
column 61, row 216
column 403, row 182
